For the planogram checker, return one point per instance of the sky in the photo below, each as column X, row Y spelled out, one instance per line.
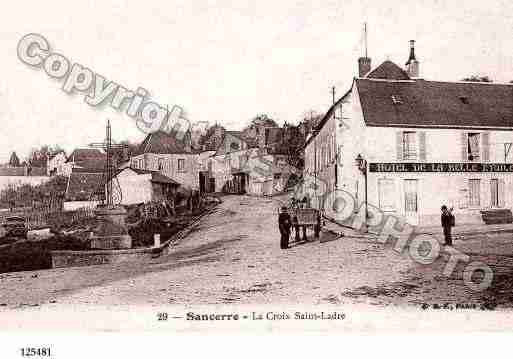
column 227, row 61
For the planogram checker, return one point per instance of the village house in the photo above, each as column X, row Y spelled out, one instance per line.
column 143, row 186
column 56, row 163
column 84, row 189
column 407, row 146
column 86, row 159
column 246, row 166
column 165, row 154
column 84, row 168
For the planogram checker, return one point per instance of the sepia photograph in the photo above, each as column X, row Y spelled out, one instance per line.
column 217, row 166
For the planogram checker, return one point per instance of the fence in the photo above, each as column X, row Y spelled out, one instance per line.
column 41, row 218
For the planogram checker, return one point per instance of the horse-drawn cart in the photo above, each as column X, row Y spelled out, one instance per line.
column 306, row 217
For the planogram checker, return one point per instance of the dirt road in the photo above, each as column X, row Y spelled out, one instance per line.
column 233, row 256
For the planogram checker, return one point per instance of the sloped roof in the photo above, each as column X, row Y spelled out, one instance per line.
column 436, row 104
column 82, row 186
column 237, row 134
column 388, row 70
column 88, row 158
column 161, row 143
column 81, row 154
column 156, row 176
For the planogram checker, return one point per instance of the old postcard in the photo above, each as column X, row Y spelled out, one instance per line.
column 220, row 166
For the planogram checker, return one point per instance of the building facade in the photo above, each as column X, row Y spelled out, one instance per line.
column 423, row 144
column 163, row 153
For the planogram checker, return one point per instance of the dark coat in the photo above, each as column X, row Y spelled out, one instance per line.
column 284, row 222
column 447, row 219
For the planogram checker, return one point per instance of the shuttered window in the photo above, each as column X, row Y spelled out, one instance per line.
column 473, row 147
column 474, row 192
column 497, row 192
column 409, row 145
column 422, row 146
column 485, row 138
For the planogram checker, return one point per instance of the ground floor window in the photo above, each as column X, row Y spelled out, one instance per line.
column 410, row 196
column 386, row 195
column 474, row 195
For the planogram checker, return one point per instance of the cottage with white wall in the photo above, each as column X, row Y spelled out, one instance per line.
column 422, row 144
column 165, row 154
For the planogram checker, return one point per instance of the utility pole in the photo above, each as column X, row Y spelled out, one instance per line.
column 333, row 94
column 365, row 37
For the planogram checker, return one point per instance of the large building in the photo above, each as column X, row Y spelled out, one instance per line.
column 422, row 144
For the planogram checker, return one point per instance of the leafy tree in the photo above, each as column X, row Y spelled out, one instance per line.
column 477, row 78
column 14, row 161
column 211, row 140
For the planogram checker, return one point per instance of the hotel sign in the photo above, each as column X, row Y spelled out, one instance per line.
column 440, row 167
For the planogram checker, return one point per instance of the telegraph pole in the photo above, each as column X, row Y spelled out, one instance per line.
column 333, row 94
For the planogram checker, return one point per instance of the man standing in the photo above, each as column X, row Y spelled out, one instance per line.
column 284, row 224
column 447, row 224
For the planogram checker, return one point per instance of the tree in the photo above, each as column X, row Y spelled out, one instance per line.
column 309, row 122
column 262, row 120
column 213, row 137
column 120, row 155
column 14, row 161
column 477, row 78
column 254, row 132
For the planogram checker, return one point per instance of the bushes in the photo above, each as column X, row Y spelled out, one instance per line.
column 28, row 255
column 142, row 235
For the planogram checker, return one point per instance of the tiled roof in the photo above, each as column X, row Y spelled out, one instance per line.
column 423, row 103
column 162, row 143
column 156, row 176
column 89, row 158
column 82, row 186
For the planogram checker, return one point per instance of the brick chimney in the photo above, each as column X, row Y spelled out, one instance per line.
column 364, row 66
column 412, row 65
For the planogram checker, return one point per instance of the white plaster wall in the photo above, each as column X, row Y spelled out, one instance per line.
column 135, row 188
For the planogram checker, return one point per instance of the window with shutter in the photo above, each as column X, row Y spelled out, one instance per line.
column 473, row 147
column 399, row 145
column 464, row 147
column 494, row 192
column 422, row 146
column 474, row 192
column 409, row 146
column 502, row 193
column 486, row 146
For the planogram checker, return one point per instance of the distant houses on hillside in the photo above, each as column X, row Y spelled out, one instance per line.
column 238, row 162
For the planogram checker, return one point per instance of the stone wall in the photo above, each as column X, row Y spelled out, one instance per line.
column 86, row 258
